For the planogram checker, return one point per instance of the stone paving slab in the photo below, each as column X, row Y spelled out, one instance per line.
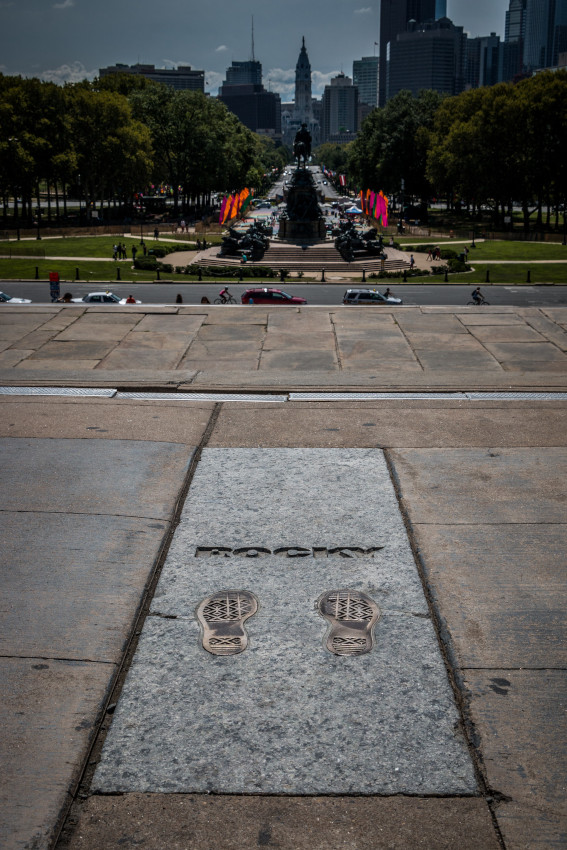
column 498, row 588
column 451, row 347
column 71, row 585
column 381, row 723
column 520, row 719
column 187, row 822
column 86, row 418
column 493, row 561
column 426, row 424
column 69, row 476
column 491, row 486
column 48, row 713
column 82, row 523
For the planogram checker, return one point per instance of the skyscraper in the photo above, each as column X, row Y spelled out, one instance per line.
column 394, row 18
column 514, row 35
column 365, row 78
column 339, row 110
column 427, row 56
column 546, row 33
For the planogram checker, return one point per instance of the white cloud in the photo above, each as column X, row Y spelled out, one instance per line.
column 221, row 48
column 212, row 81
column 73, row 73
column 319, row 81
column 367, row 10
column 66, row 4
column 281, row 81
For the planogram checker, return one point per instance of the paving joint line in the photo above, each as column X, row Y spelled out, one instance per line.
column 57, row 658
column 81, row 789
column 446, row 647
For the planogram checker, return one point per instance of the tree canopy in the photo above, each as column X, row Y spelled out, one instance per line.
column 114, row 137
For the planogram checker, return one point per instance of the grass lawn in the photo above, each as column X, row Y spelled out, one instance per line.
column 502, row 250
column 106, row 272
column 500, row 273
column 81, row 246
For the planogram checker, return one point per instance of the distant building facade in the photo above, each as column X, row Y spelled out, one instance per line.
column 181, row 78
column 365, row 74
column 546, row 33
column 427, row 56
column 483, row 61
column 394, row 18
column 512, row 49
column 339, row 110
column 243, row 93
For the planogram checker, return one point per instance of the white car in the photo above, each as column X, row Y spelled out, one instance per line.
column 102, row 298
column 7, row 299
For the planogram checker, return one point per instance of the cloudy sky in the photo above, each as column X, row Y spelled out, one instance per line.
column 68, row 40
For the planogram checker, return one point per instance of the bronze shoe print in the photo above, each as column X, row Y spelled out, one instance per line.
column 352, row 614
column 222, row 617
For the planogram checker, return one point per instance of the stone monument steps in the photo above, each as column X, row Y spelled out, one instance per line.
column 316, row 257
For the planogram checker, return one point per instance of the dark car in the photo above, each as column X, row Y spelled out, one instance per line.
column 271, row 296
column 368, row 296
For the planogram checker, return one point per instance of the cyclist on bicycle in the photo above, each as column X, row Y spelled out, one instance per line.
column 477, row 296
column 225, row 295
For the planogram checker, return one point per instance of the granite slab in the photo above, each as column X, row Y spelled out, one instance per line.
column 286, row 716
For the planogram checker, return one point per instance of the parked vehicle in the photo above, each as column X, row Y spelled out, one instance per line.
column 271, row 296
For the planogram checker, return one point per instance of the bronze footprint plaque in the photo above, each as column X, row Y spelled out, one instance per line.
column 352, row 614
column 222, row 617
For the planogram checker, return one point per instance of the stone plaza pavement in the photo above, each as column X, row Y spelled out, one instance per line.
column 414, row 455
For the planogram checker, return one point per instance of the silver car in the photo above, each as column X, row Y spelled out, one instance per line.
column 368, row 296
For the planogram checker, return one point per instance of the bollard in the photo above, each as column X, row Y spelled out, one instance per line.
column 157, row 275
column 76, row 274
column 118, row 273
column 364, row 275
column 200, row 274
column 240, row 275
column 37, row 272
column 446, row 276
column 488, row 276
column 529, row 278
column 322, row 275
column 405, row 276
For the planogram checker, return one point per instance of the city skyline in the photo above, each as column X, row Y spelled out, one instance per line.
column 45, row 38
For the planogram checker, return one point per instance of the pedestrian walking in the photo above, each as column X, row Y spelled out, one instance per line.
column 429, row 254
column 156, row 233
column 412, row 261
column 134, row 252
column 114, row 251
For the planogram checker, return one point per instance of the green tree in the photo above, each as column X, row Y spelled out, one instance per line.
column 113, row 151
column 392, row 145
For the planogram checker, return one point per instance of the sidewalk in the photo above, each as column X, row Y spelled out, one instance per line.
column 121, row 514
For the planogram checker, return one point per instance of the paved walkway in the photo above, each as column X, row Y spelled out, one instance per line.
column 121, row 515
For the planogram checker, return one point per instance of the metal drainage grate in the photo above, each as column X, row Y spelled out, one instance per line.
column 372, row 396
column 66, row 391
column 517, row 396
column 201, row 396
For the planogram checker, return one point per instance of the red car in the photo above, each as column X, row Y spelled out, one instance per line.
column 270, row 296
